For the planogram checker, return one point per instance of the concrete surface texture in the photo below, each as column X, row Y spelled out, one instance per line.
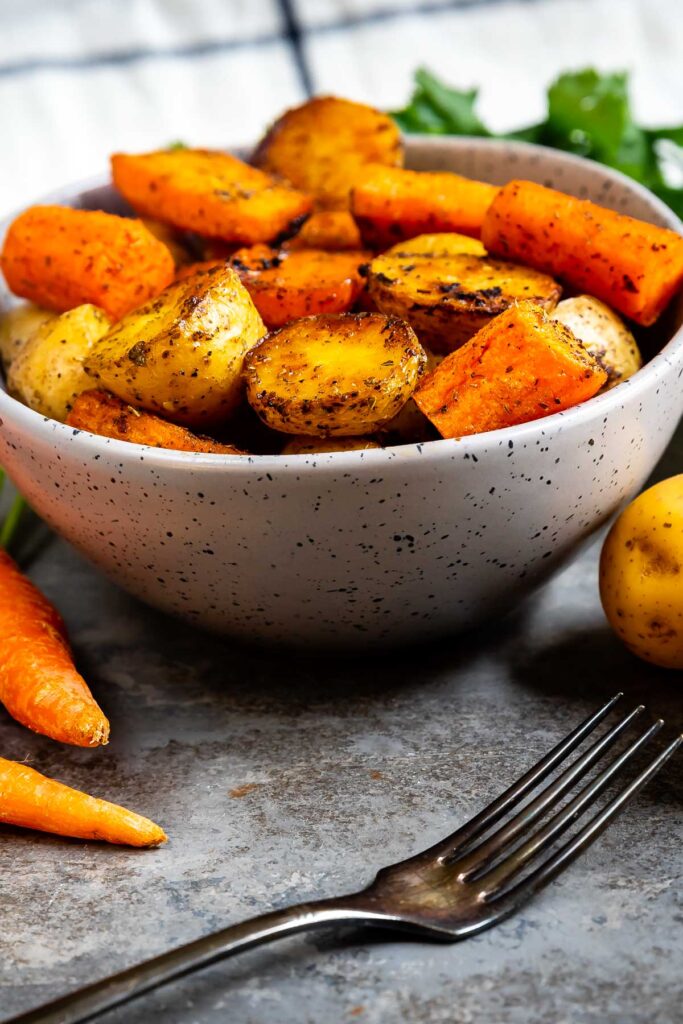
column 283, row 776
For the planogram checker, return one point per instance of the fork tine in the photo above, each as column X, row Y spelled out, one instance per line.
column 480, row 857
column 556, row 863
column 519, row 789
column 494, row 880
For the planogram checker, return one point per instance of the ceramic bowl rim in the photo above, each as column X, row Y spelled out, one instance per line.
column 594, row 408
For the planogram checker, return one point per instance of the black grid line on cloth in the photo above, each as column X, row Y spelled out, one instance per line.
column 294, row 38
column 215, row 46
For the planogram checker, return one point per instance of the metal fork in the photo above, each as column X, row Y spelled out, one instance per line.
column 466, row 883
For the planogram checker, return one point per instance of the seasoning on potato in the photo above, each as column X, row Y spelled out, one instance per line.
column 48, row 374
column 316, row 445
column 641, row 574
column 181, row 355
column 209, row 192
column 604, row 334
column 322, row 145
column 448, row 288
column 336, row 374
column 520, row 367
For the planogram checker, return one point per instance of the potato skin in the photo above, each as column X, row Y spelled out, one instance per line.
column 604, row 334
column 322, row 145
column 336, row 374
column 641, row 574
column 181, row 355
column 48, row 373
column 17, row 326
column 314, row 445
column 448, row 288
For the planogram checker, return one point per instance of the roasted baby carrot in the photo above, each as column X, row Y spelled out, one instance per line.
column 633, row 266
column 31, row 800
column 520, row 367
column 39, row 684
column 60, row 258
column 390, row 204
column 287, row 285
column 209, row 192
column 100, row 412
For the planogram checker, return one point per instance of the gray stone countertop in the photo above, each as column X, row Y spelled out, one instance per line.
column 283, row 776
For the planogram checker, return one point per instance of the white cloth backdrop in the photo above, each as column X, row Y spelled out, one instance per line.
column 82, row 78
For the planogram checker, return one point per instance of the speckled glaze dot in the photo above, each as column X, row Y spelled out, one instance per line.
column 362, row 547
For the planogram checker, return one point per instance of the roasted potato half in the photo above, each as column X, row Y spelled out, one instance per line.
column 314, row 445
column 333, row 230
column 336, row 374
column 181, row 355
column 17, row 326
column 48, row 373
column 320, row 146
column 604, row 334
column 288, row 285
column 449, row 293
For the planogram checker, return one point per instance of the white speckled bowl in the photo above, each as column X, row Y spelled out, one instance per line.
column 374, row 546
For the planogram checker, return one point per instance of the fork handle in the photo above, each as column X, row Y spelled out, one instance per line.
column 88, row 1003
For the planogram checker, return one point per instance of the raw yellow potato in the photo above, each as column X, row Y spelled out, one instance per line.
column 448, row 288
column 48, row 373
column 343, row 374
column 181, row 354
column 17, row 326
column 641, row 574
column 603, row 333
column 314, row 445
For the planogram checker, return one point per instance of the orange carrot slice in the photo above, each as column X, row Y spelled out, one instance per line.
column 60, row 258
column 520, row 367
column 390, row 204
column 31, row 800
column 633, row 266
column 39, row 684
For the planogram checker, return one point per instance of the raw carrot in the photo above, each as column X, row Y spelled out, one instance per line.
column 390, row 204
column 60, row 258
column 211, row 193
column 39, row 684
column 520, row 367
column 31, row 800
column 633, row 266
column 100, row 412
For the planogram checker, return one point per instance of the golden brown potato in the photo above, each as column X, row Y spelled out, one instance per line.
column 17, row 326
column 320, row 147
column 604, row 334
column 335, row 374
column 181, row 355
column 314, row 445
column 447, row 287
column 48, row 373
column 177, row 244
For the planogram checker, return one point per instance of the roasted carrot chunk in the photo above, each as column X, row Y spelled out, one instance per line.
column 321, row 146
column 390, row 204
column 60, row 258
column 287, row 285
column 633, row 266
column 333, row 230
column 31, row 800
column 190, row 269
column 39, row 684
column 100, row 412
column 520, row 367
column 211, row 193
